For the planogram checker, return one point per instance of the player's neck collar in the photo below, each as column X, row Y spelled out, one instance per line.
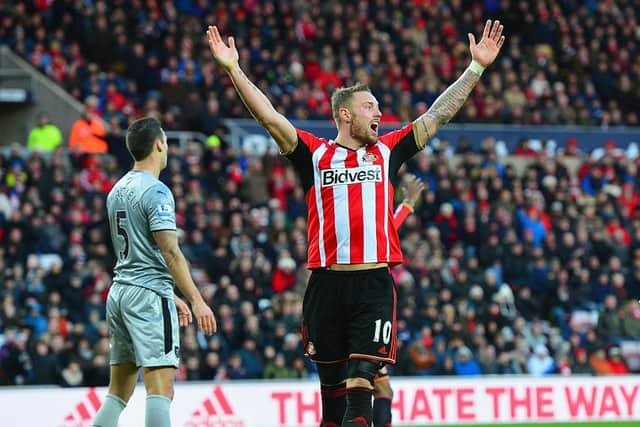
column 345, row 147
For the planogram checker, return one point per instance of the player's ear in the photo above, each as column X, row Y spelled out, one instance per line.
column 345, row 114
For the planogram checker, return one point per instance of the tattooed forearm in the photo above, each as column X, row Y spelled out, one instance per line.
column 447, row 104
column 425, row 127
column 452, row 99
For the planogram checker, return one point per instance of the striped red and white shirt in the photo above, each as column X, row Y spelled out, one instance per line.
column 349, row 196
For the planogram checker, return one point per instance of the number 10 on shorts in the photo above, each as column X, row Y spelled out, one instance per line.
column 386, row 331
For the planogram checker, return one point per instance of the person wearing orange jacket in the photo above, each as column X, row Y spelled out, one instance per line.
column 599, row 362
column 87, row 134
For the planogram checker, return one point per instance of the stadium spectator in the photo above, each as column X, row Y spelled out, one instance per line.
column 465, row 364
column 618, row 366
column 599, row 362
column 422, row 357
column 554, row 77
column 609, row 319
column 276, row 368
column 580, row 363
column 45, row 370
column 87, row 134
column 284, row 276
column 631, row 320
column 45, row 136
column 72, row 375
column 75, row 280
column 540, row 362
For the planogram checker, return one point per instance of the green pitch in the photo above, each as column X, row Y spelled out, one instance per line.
column 545, row 424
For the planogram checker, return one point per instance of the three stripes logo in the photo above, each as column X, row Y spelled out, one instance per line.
column 215, row 411
column 82, row 415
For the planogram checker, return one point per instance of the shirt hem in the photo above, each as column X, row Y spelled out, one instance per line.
column 392, row 263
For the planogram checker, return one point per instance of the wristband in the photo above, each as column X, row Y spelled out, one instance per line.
column 476, row 67
column 409, row 204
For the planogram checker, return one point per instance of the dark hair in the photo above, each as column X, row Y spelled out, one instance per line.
column 141, row 136
column 341, row 97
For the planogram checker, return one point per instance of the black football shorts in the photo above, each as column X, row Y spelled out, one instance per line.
column 350, row 315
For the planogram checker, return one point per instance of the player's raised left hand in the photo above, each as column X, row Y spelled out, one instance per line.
column 486, row 50
column 227, row 56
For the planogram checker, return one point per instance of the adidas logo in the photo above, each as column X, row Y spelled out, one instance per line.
column 82, row 415
column 215, row 411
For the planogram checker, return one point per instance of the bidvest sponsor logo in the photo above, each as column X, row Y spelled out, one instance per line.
column 82, row 415
column 215, row 411
column 346, row 176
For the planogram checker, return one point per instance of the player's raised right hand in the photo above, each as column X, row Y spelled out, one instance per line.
column 486, row 50
column 205, row 318
column 227, row 56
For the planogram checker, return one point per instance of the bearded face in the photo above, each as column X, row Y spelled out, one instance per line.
column 365, row 118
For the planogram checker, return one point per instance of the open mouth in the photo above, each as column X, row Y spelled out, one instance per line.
column 374, row 127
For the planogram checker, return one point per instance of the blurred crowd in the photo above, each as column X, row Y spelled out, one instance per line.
column 564, row 62
column 525, row 266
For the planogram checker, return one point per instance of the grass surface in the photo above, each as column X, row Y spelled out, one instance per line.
column 550, row 424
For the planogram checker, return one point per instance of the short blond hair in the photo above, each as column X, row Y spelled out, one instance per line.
column 340, row 97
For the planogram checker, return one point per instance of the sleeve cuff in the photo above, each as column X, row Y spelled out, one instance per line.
column 476, row 67
column 288, row 153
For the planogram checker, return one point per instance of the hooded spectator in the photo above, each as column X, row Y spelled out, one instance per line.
column 617, row 363
column 465, row 364
column 45, row 136
column 540, row 363
column 284, row 276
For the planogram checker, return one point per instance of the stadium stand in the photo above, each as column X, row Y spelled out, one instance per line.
column 522, row 264
column 566, row 62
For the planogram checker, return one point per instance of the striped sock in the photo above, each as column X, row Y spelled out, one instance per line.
column 358, row 412
column 334, row 402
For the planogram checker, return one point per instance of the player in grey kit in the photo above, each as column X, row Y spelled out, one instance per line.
column 142, row 311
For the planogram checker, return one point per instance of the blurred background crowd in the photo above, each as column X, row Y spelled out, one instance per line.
column 565, row 62
column 522, row 264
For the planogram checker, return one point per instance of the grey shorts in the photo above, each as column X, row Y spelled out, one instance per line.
column 143, row 327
